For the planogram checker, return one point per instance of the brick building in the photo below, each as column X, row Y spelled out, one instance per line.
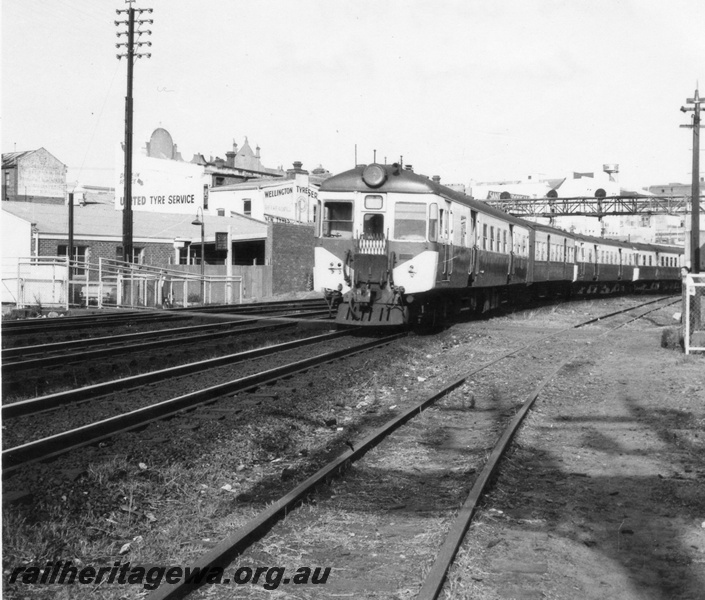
column 272, row 258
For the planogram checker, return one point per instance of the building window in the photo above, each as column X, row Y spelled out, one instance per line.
column 78, row 260
column 247, row 207
column 137, row 254
column 219, row 181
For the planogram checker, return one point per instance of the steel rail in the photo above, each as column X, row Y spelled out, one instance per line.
column 91, row 392
column 18, row 457
column 58, row 359
column 138, row 336
column 612, row 314
column 30, row 326
column 235, row 543
column 433, row 584
column 240, row 308
column 257, row 308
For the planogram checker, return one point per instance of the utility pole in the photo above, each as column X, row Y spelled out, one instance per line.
column 695, row 192
column 130, row 46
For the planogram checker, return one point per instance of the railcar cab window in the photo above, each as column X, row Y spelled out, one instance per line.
column 373, row 202
column 337, row 219
column 410, row 221
column 373, row 225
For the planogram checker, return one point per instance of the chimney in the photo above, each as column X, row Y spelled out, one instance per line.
column 296, row 170
column 230, row 158
column 409, row 168
column 436, row 178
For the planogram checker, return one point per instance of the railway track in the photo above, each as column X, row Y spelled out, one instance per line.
column 16, row 458
column 65, row 353
column 237, row 542
column 48, row 402
column 12, row 329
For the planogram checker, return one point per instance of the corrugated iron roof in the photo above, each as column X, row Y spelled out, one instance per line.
column 9, row 159
column 103, row 221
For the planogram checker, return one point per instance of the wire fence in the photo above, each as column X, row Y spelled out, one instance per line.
column 694, row 313
column 55, row 282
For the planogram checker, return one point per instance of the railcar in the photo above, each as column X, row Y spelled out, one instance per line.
column 394, row 247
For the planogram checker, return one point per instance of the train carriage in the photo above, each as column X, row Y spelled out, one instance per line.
column 394, row 247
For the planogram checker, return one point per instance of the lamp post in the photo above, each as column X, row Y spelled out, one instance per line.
column 201, row 222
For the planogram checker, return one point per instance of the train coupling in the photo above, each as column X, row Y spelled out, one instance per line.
column 369, row 306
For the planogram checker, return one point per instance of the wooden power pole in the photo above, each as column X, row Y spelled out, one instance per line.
column 695, row 198
column 130, row 46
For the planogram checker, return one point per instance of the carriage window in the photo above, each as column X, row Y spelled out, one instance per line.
column 432, row 222
column 410, row 221
column 373, row 202
column 373, row 225
column 491, row 238
column 337, row 219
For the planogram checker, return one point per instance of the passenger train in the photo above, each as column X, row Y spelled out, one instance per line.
column 394, row 248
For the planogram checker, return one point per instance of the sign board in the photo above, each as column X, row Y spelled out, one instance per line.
column 160, row 185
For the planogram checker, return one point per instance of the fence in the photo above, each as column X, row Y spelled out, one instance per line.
column 142, row 286
column 694, row 313
column 36, row 281
column 51, row 281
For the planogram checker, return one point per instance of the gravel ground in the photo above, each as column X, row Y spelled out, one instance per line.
column 601, row 497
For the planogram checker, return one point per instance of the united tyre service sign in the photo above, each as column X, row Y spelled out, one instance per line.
column 161, row 185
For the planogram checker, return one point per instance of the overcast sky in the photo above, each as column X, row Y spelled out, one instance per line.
column 465, row 89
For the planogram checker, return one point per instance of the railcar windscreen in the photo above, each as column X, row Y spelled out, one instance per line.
column 410, row 221
column 337, row 219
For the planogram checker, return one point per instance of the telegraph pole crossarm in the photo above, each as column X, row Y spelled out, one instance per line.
column 130, row 53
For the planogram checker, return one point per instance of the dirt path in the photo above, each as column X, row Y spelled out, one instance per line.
column 604, row 495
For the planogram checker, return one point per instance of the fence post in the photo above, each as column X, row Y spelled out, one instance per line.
column 100, row 282
column 686, row 317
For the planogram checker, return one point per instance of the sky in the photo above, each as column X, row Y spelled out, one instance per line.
column 470, row 90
